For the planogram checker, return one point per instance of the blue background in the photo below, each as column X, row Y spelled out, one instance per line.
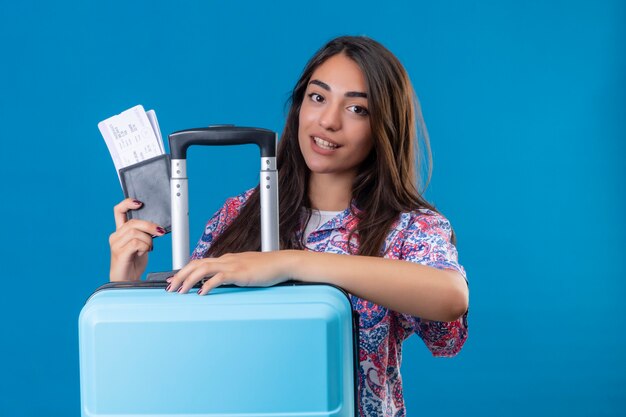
column 526, row 108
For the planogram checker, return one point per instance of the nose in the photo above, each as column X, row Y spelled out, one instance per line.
column 330, row 118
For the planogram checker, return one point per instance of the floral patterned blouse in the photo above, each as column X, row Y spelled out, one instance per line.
column 420, row 236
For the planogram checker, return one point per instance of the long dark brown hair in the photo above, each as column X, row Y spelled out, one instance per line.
column 387, row 181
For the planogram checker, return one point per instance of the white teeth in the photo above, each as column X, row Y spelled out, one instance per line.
column 324, row 144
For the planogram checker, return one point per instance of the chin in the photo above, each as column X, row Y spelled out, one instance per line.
column 316, row 169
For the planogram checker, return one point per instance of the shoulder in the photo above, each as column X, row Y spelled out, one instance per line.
column 228, row 212
column 220, row 221
column 235, row 204
column 240, row 199
column 423, row 223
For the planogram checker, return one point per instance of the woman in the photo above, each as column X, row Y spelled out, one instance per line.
column 348, row 187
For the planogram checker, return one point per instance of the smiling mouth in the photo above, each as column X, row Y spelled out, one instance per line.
column 324, row 144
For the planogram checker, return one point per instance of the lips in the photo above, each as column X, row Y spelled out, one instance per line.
column 324, row 143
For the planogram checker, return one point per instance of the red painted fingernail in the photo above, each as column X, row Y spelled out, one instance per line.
column 168, row 287
column 161, row 230
column 137, row 202
column 180, row 289
column 200, row 290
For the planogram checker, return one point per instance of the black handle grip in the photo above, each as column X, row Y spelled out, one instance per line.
column 222, row 135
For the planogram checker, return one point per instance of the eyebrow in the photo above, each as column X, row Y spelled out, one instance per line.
column 348, row 94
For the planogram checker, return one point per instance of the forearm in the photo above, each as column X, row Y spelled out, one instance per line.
column 405, row 287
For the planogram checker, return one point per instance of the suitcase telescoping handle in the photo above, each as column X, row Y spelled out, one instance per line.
column 220, row 136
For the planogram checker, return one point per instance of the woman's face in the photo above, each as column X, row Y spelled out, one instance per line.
column 334, row 132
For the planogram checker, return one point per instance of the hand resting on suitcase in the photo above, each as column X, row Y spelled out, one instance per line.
column 259, row 269
column 130, row 243
column 419, row 290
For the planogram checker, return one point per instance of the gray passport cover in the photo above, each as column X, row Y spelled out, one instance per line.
column 149, row 182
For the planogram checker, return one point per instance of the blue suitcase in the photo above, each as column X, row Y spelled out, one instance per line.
column 286, row 350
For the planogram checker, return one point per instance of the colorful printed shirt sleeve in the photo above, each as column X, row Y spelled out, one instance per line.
column 427, row 242
column 219, row 222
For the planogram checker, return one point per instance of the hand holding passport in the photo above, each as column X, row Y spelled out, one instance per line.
column 135, row 143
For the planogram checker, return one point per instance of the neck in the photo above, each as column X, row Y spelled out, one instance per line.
column 330, row 192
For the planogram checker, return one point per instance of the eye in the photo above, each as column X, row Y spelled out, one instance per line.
column 360, row 110
column 316, row 97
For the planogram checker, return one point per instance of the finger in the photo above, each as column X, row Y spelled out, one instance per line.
column 120, row 210
column 194, row 272
column 120, row 240
column 144, row 226
column 143, row 249
column 201, row 270
column 134, row 247
column 212, row 283
column 178, row 278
